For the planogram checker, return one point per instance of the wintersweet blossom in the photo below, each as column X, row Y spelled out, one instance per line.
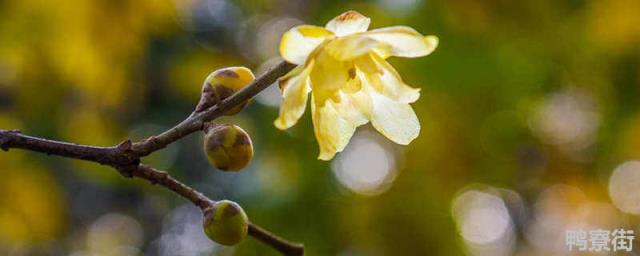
column 344, row 67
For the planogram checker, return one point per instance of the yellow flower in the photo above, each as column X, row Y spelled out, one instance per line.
column 343, row 66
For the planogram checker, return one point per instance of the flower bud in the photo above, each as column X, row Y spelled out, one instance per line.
column 226, row 223
column 228, row 147
column 223, row 83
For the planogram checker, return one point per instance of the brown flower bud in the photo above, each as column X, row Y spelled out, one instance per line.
column 223, row 83
column 226, row 223
column 228, row 147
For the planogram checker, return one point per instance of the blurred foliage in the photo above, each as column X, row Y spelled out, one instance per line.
column 531, row 103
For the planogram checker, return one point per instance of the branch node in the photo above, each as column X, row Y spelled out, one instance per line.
column 127, row 171
column 125, row 145
column 207, row 126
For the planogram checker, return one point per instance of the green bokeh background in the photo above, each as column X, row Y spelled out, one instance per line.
column 97, row 72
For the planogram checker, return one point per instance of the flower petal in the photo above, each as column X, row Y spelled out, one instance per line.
column 362, row 102
column 402, row 41
column 348, row 23
column 382, row 77
column 332, row 131
column 354, row 107
column 351, row 47
column 283, row 81
column 300, row 41
column 295, row 90
column 395, row 120
column 328, row 75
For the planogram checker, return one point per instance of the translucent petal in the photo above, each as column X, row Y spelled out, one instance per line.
column 295, row 90
column 300, row 41
column 353, row 107
column 383, row 78
column 395, row 120
column 362, row 102
column 353, row 102
column 402, row 41
column 351, row 47
column 328, row 76
column 332, row 131
column 283, row 81
column 348, row 23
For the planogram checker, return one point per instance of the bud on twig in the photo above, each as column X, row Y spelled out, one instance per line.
column 226, row 223
column 223, row 83
column 228, row 147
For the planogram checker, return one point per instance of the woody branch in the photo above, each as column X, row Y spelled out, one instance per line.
column 125, row 157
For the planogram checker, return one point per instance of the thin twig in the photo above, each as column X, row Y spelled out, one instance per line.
column 125, row 157
column 284, row 246
column 163, row 178
column 101, row 155
column 196, row 121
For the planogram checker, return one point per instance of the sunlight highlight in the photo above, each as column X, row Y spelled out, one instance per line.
column 366, row 167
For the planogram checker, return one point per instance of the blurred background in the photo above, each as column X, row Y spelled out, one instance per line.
column 530, row 115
